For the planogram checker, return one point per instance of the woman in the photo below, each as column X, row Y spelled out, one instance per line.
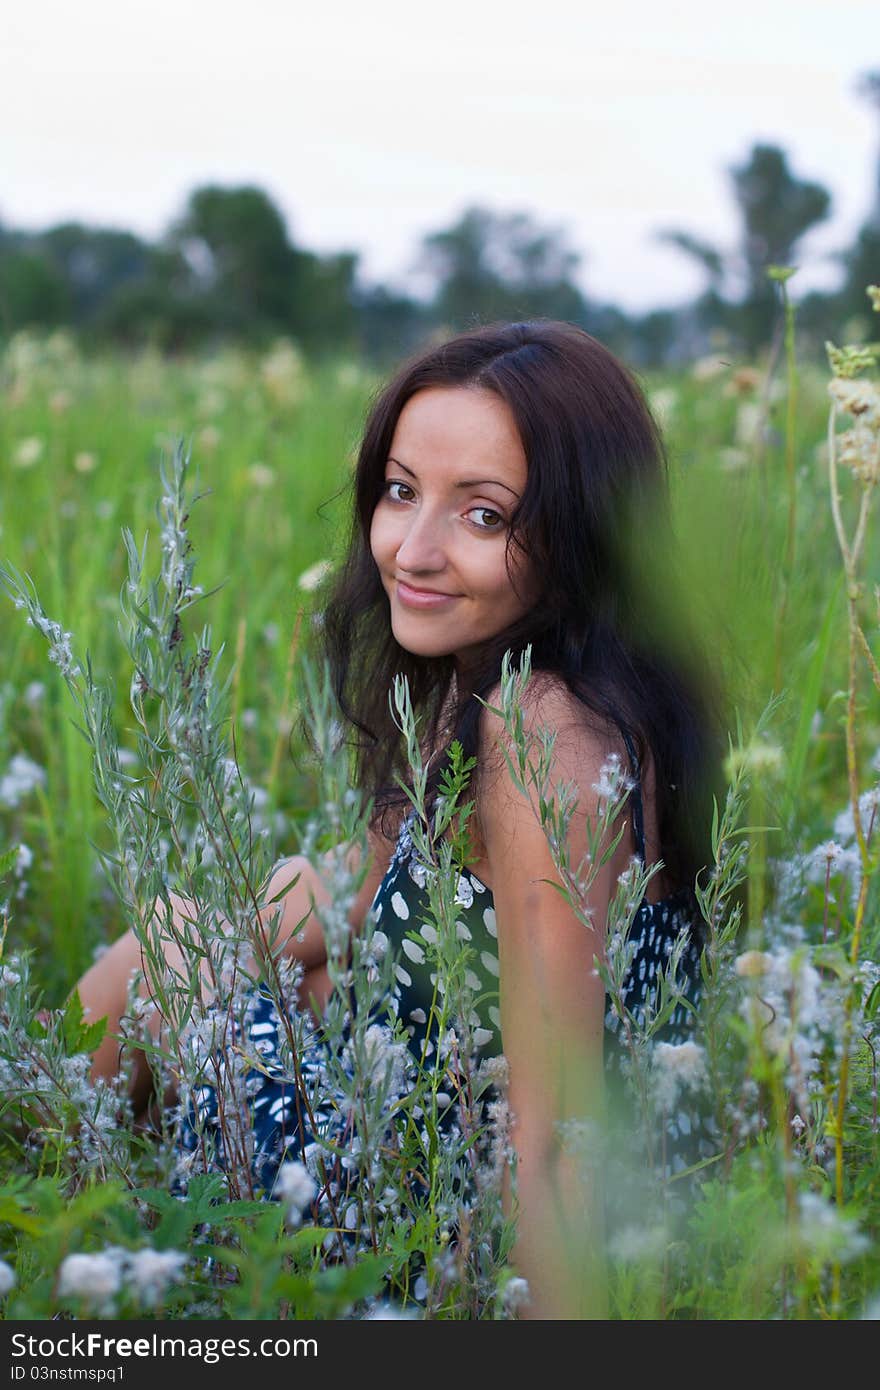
column 509, row 487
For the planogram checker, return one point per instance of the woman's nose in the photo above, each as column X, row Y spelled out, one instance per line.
column 422, row 546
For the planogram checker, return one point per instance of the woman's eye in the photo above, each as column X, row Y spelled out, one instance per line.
column 486, row 519
column 395, row 495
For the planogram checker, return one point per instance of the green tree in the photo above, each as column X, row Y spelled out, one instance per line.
column 94, row 263
column 776, row 209
column 250, row 279
column 33, row 293
column 490, row 265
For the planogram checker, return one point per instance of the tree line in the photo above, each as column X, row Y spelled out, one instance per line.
column 228, row 269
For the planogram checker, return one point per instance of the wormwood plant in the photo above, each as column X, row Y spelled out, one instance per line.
column 394, row 1190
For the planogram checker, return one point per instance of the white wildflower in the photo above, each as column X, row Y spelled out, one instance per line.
column 283, row 372
column 869, row 809
column 28, row 452
column 786, row 1008
column 261, row 475
column 296, row 1187
column 635, row 1244
column 677, row 1066
column 94, row 1279
column 34, row 692
column 749, row 419
column 388, row 1312
column 20, row 779
column 84, row 462
column 383, row 1061
column 8, row 976
column 613, row 781
column 314, row 576
column 856, row 395
column 826, row 1232
column 60, row 652
column 705, row 368
column 517, row 1294
column 830, row 851
column 753, row 964
column 7, row 1278
column 149, row 1272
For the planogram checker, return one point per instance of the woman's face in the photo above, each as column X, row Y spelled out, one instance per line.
column 454, row 473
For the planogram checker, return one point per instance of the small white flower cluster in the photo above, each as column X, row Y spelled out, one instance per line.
column 638, row 1244
column 20, row 779
column 677, row 1066
column 788, row 1007
column 312, row 578
column 869, row 815
column 859, row 447
column 383, row 1062
column 60, row 650
column 176, row 567
column 7, row 1278
column 97, row 1280
column 613, row 781
column 23, row 861
column 296, row 1188
column 826, row 1232
column 517, row 1295
column 498, row 1145
column 28, row 451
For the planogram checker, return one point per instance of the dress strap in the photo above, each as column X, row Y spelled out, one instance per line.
column 636, row 798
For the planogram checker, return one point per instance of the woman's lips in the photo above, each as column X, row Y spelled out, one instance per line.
column 423, row 598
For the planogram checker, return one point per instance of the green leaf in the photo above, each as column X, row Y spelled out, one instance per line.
column 78, row 1035
column 7, row 861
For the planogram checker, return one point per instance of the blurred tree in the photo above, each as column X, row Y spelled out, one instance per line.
column 776, row 209
column 241, row 264
column 94, row 262
column 248, row 277
column 33, row 293
column 390, row 324
column 490, row 265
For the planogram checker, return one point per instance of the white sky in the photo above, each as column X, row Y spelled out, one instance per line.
column 372, row 123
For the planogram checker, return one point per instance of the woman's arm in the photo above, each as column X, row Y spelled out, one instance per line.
column 552, row 1012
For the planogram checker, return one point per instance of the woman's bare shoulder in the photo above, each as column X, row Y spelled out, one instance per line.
column 582, row 740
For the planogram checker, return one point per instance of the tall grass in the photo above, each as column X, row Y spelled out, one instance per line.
column 781, row 1221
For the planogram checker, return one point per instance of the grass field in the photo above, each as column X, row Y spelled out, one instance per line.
column 272, row 443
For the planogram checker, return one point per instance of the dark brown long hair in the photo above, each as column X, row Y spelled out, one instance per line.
column 593, row 519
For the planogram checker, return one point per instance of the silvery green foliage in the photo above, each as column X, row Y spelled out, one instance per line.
column 190, row 863
column 182, row 822
column 46, row 1090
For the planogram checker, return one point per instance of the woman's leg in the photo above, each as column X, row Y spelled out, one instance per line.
column 103, row 989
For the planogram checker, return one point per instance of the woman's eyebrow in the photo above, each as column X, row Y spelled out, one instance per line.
column 466, row 482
